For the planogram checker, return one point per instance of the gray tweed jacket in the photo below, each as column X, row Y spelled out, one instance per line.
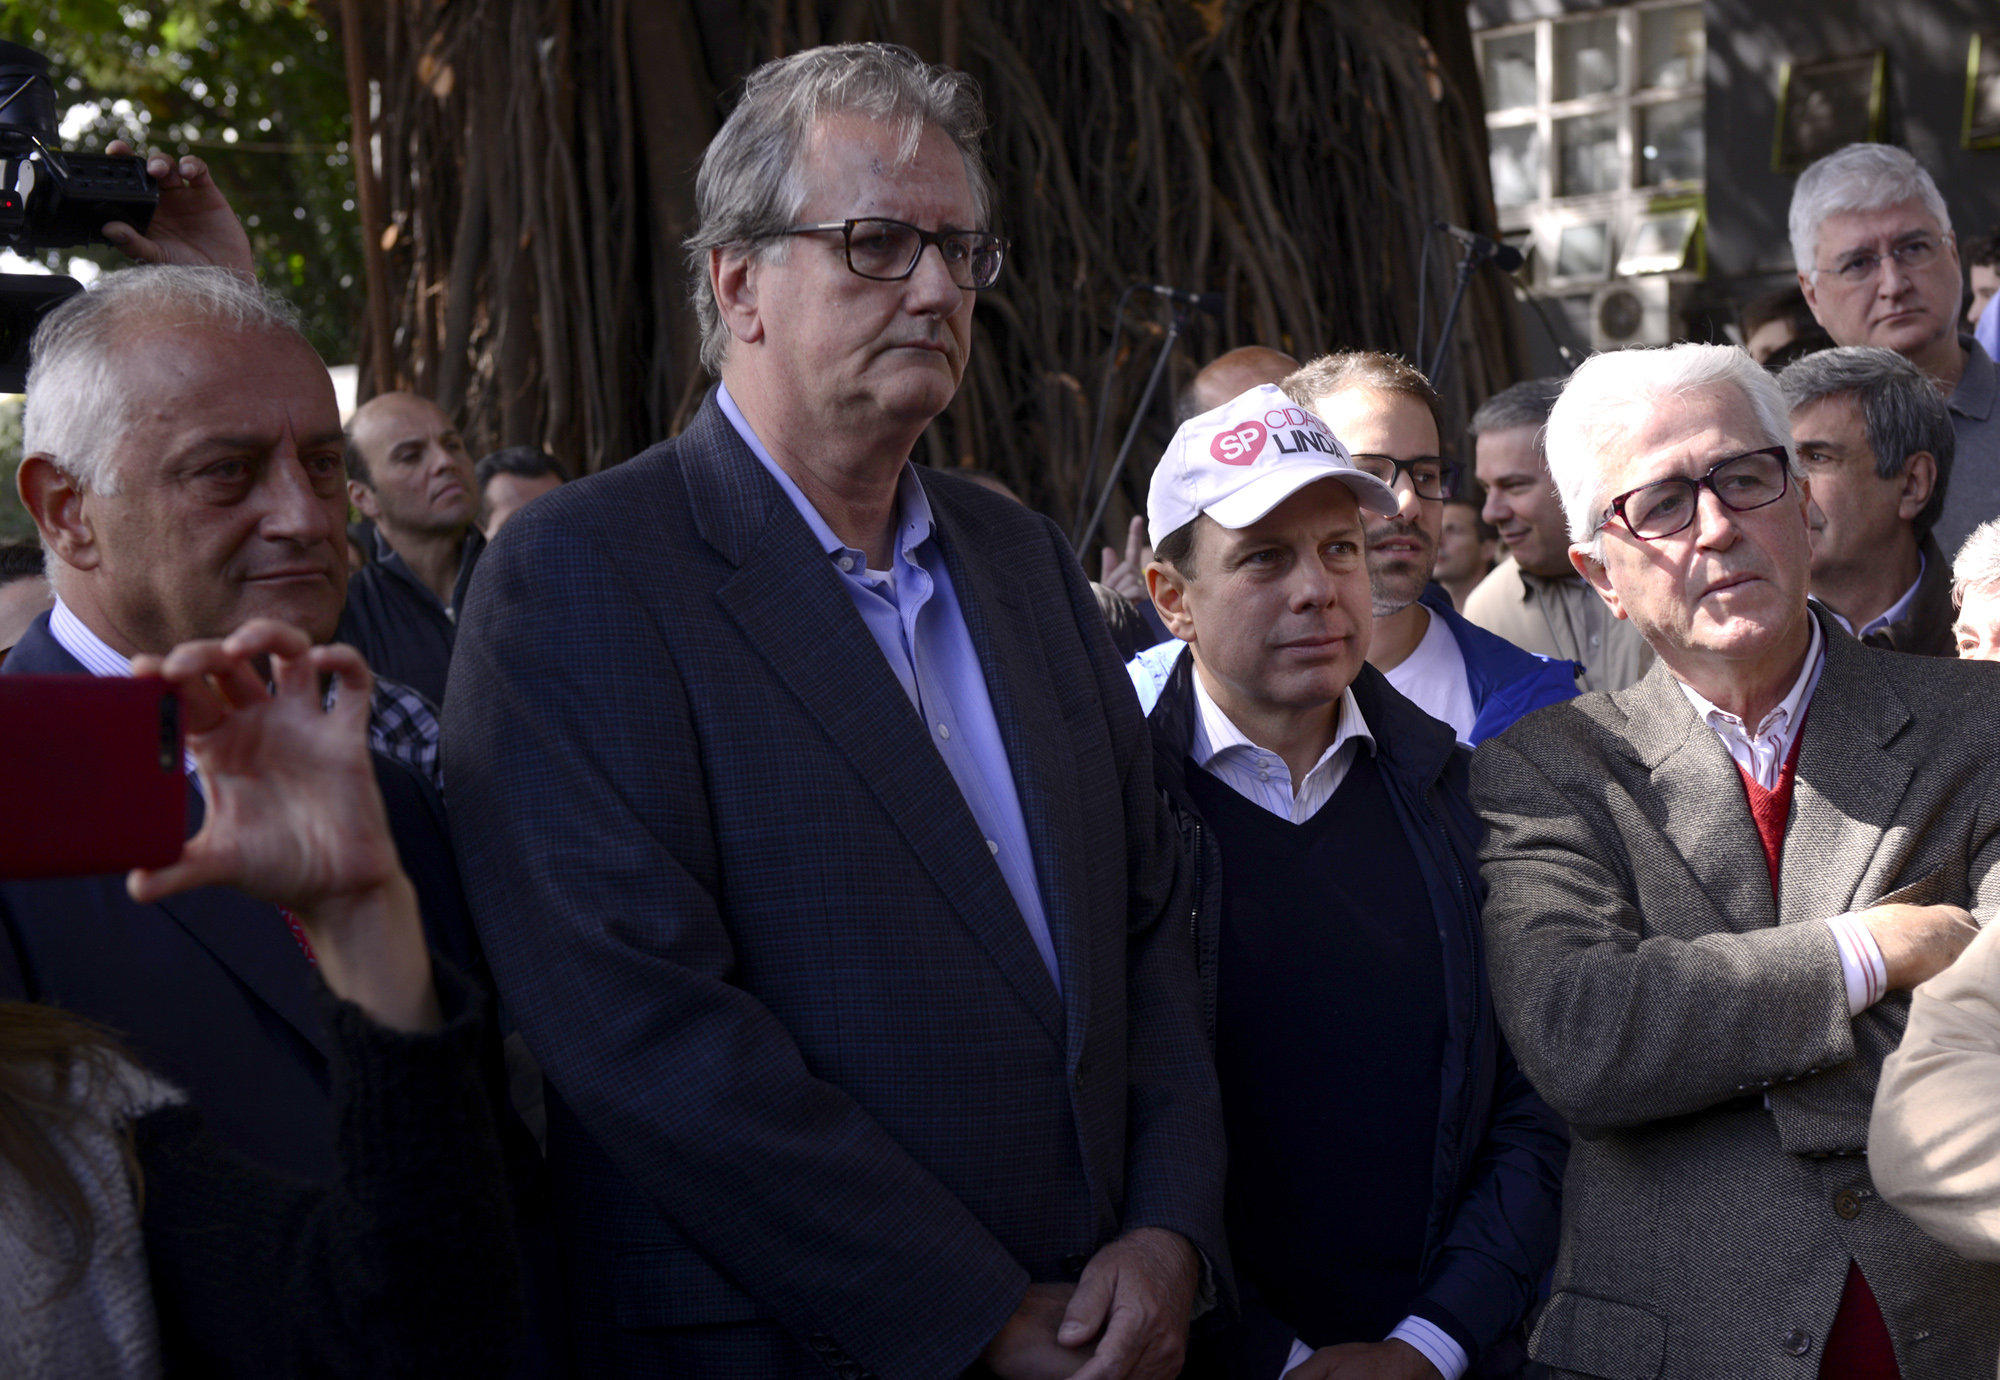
column 1697, row 1036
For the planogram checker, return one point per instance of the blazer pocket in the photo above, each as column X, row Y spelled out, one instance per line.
column 668, row 1286
column 1618, row 1341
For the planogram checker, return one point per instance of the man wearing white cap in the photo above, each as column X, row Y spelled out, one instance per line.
column 1392, row 1199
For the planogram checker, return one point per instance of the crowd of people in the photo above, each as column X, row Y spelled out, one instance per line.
column 1501, row 907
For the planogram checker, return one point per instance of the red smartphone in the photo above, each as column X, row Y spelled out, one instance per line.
column 93, row 777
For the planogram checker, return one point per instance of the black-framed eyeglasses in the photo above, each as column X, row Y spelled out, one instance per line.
column 887, row 250
column 1742, row 483
column 1431, row 476
column 1917, row 252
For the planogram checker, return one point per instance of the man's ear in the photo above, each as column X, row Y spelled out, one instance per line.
column 1597, row 578
column 55, row 501
column 732, row 275
column 1812, row 294
column 1169, row 590
column 364, row 500
column 1919, row 480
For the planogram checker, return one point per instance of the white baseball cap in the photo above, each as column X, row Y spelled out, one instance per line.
column 1246, row 457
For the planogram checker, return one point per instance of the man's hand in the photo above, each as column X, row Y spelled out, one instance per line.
column 1026, row 1348
column 294, row 815
column 1918, row 942
column 192, row 224
column 1391, row 1360
column 1128, row 576
column 1133, row 1303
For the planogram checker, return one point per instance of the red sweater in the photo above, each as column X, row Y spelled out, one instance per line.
column 1858, row 1345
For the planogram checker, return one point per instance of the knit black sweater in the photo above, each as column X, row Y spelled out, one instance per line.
column 406, row 1265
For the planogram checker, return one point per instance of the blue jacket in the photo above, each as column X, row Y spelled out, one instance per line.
column 1500, row 1150
column 1506, row 682
column 815, row 1105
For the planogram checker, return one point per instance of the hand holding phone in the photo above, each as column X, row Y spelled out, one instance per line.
column 294, row 815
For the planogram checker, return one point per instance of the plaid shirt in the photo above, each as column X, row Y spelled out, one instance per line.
column 404, row 725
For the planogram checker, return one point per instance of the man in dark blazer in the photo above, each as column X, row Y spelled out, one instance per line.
column 1709, row 897
column 809, row 823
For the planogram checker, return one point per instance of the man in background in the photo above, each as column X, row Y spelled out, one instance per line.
column 1975, row 588
column 409, row 474
column 510, row 479
column 1982, row 264
column 1875, row 441
column 1879, row 266
column 24, row 590
column 1388, row 416
column 1466, row 544
column 1534, row 598
column 1779, row 325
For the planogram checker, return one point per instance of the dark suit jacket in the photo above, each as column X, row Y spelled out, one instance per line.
column 812, row 1090
column 1695, row 1031
column 208, row 988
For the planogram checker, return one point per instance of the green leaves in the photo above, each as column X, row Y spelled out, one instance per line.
column 254, row 87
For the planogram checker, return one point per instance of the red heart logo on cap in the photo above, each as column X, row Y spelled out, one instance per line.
column 1240, row 445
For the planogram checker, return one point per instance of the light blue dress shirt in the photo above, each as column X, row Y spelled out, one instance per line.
column 913, row 614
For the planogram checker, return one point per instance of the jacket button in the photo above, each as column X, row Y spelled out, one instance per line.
column 1796, row 1342
column 848, row 1370
column 1847, row 1204
column 1082, row 1072
column 1072, row 1265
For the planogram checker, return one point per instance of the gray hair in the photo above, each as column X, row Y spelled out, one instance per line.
column 752, row 180
column 1976, row 568
column 1527, row 403
column 1900, row 406
column 1590, row 416
column 1860, row 177
column 77, row 405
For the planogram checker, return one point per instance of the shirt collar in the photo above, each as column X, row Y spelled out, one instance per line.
column 1895, row 613
column 76, row 638
column 914, row 522
column 1216, row 732
column 1782, row 720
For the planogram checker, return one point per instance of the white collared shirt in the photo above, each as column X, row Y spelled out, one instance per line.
column 1260, row 775
column 1761, row 753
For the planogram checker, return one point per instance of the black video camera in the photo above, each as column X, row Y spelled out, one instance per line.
column 50, row 198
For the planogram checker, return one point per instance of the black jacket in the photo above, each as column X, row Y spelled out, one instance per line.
column 398, row 625
column 405, row 1264
column 1500, row 1150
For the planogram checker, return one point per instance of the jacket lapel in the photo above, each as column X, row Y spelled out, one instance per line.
column 1848, row 787
column 1022, row 689
column 794, row 611
column 1706, row 814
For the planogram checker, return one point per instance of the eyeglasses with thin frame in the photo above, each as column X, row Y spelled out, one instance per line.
column 887, row 251
column 1742, row 483
column 1431, row 476
column 1862, row 265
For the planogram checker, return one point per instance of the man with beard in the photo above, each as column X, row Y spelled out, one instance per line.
column 409, row 473
column 1387, row 414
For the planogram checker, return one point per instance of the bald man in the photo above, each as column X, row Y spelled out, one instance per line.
column 409, row 473
column 1228, row 375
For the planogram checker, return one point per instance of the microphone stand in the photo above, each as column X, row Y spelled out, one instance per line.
column 1175, row 329
column 1468, row 264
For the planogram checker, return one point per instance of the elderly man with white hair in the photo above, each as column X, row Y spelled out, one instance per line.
column 1709, row 897
column 1879, row 266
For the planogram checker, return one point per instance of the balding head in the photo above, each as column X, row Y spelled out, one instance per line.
column 408, row 469
column 1232, row 374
